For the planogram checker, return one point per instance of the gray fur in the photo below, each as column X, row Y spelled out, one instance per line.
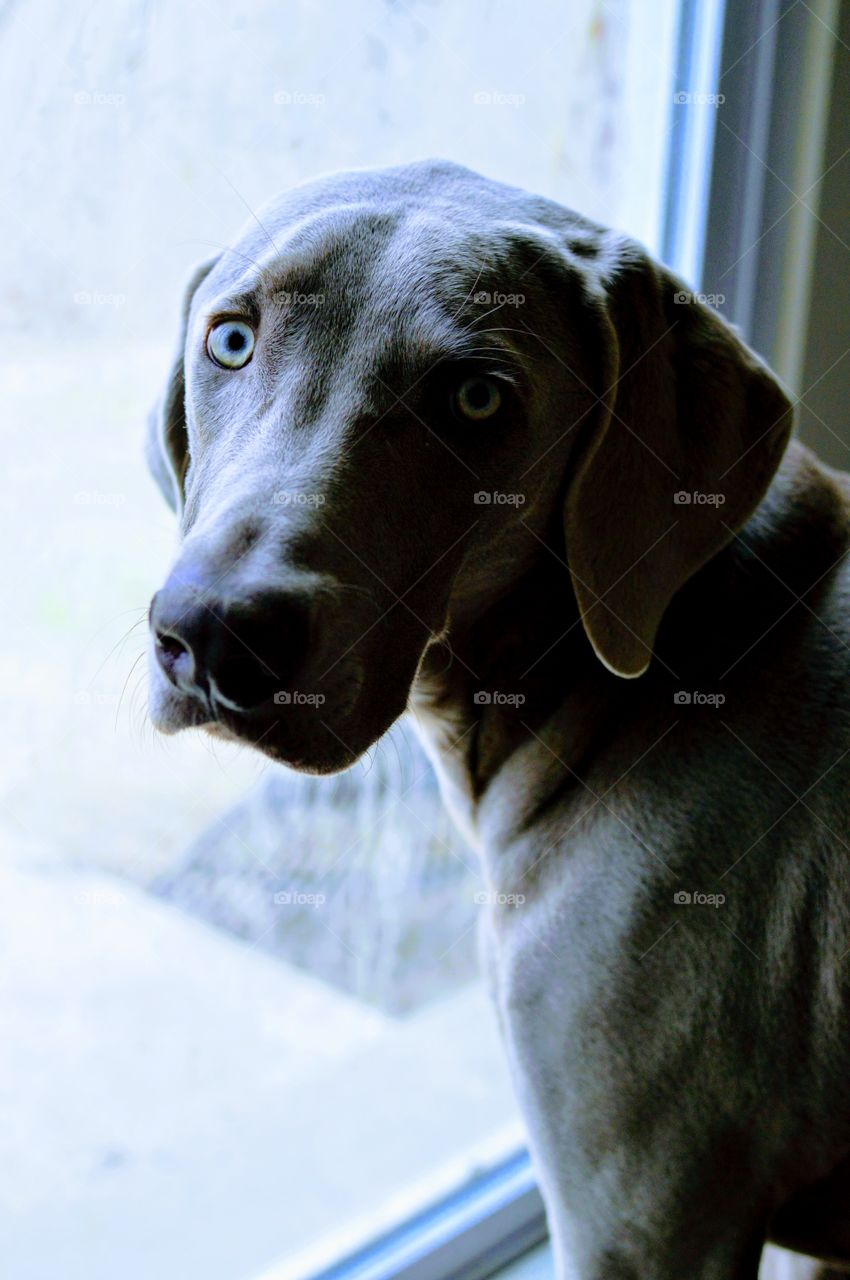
column 682, row 1069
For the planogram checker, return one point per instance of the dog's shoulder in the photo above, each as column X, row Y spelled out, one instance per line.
column 782, row 581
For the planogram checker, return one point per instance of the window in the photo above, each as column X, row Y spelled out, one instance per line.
column 243, row 1032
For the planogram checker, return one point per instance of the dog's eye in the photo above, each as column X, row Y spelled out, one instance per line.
column 477, row 398
column 230, row 344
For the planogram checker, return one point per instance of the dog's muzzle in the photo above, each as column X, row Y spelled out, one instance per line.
column 232, row 652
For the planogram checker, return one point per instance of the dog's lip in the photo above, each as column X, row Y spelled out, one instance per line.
column 322, row 752
column 304, row 737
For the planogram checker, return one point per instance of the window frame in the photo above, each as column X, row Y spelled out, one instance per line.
column 754, row 241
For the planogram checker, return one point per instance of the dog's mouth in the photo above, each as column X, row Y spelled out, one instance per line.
column 314, row 732
column 313, row 747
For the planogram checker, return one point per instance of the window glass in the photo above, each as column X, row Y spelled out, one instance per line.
column 240, row 1014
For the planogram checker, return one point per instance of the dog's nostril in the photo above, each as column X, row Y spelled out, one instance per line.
column 171, row 646
column 236, row 653
column 175, row 658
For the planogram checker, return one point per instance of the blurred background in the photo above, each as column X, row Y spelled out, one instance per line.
column 242, row 1028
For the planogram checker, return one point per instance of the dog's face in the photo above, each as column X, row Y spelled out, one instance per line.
column 383, row 394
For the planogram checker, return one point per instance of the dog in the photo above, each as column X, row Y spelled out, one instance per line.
column 441, row 445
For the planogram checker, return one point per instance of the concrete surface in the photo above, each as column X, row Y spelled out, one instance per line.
column 176, row 1104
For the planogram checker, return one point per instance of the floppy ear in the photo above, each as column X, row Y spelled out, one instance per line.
column 690, row 429
column 166, row 443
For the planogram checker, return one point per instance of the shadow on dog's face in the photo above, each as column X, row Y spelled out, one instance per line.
column 367, row 428
column 354, row 454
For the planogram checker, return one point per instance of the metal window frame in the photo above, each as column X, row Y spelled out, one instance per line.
column 755, row 163
column 470, row 1235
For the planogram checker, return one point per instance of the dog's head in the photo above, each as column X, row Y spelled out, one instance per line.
column 385, row 395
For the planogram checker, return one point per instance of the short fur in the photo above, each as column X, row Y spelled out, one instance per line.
column 628, row 696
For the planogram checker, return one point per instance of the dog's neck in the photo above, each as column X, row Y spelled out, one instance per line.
column 489, row 688
column 520, row 676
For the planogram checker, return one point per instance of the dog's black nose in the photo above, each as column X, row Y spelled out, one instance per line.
column 238, row 653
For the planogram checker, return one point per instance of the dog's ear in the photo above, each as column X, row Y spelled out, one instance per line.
column 689, row 430
column 166, row 443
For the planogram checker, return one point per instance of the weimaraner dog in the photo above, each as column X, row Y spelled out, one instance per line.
column 441, row 445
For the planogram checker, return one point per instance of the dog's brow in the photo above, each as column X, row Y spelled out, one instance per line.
column 243, row 303
column 411, row 361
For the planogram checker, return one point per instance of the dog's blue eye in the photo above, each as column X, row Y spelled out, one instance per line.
column 230, row 344
column 478, row 398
